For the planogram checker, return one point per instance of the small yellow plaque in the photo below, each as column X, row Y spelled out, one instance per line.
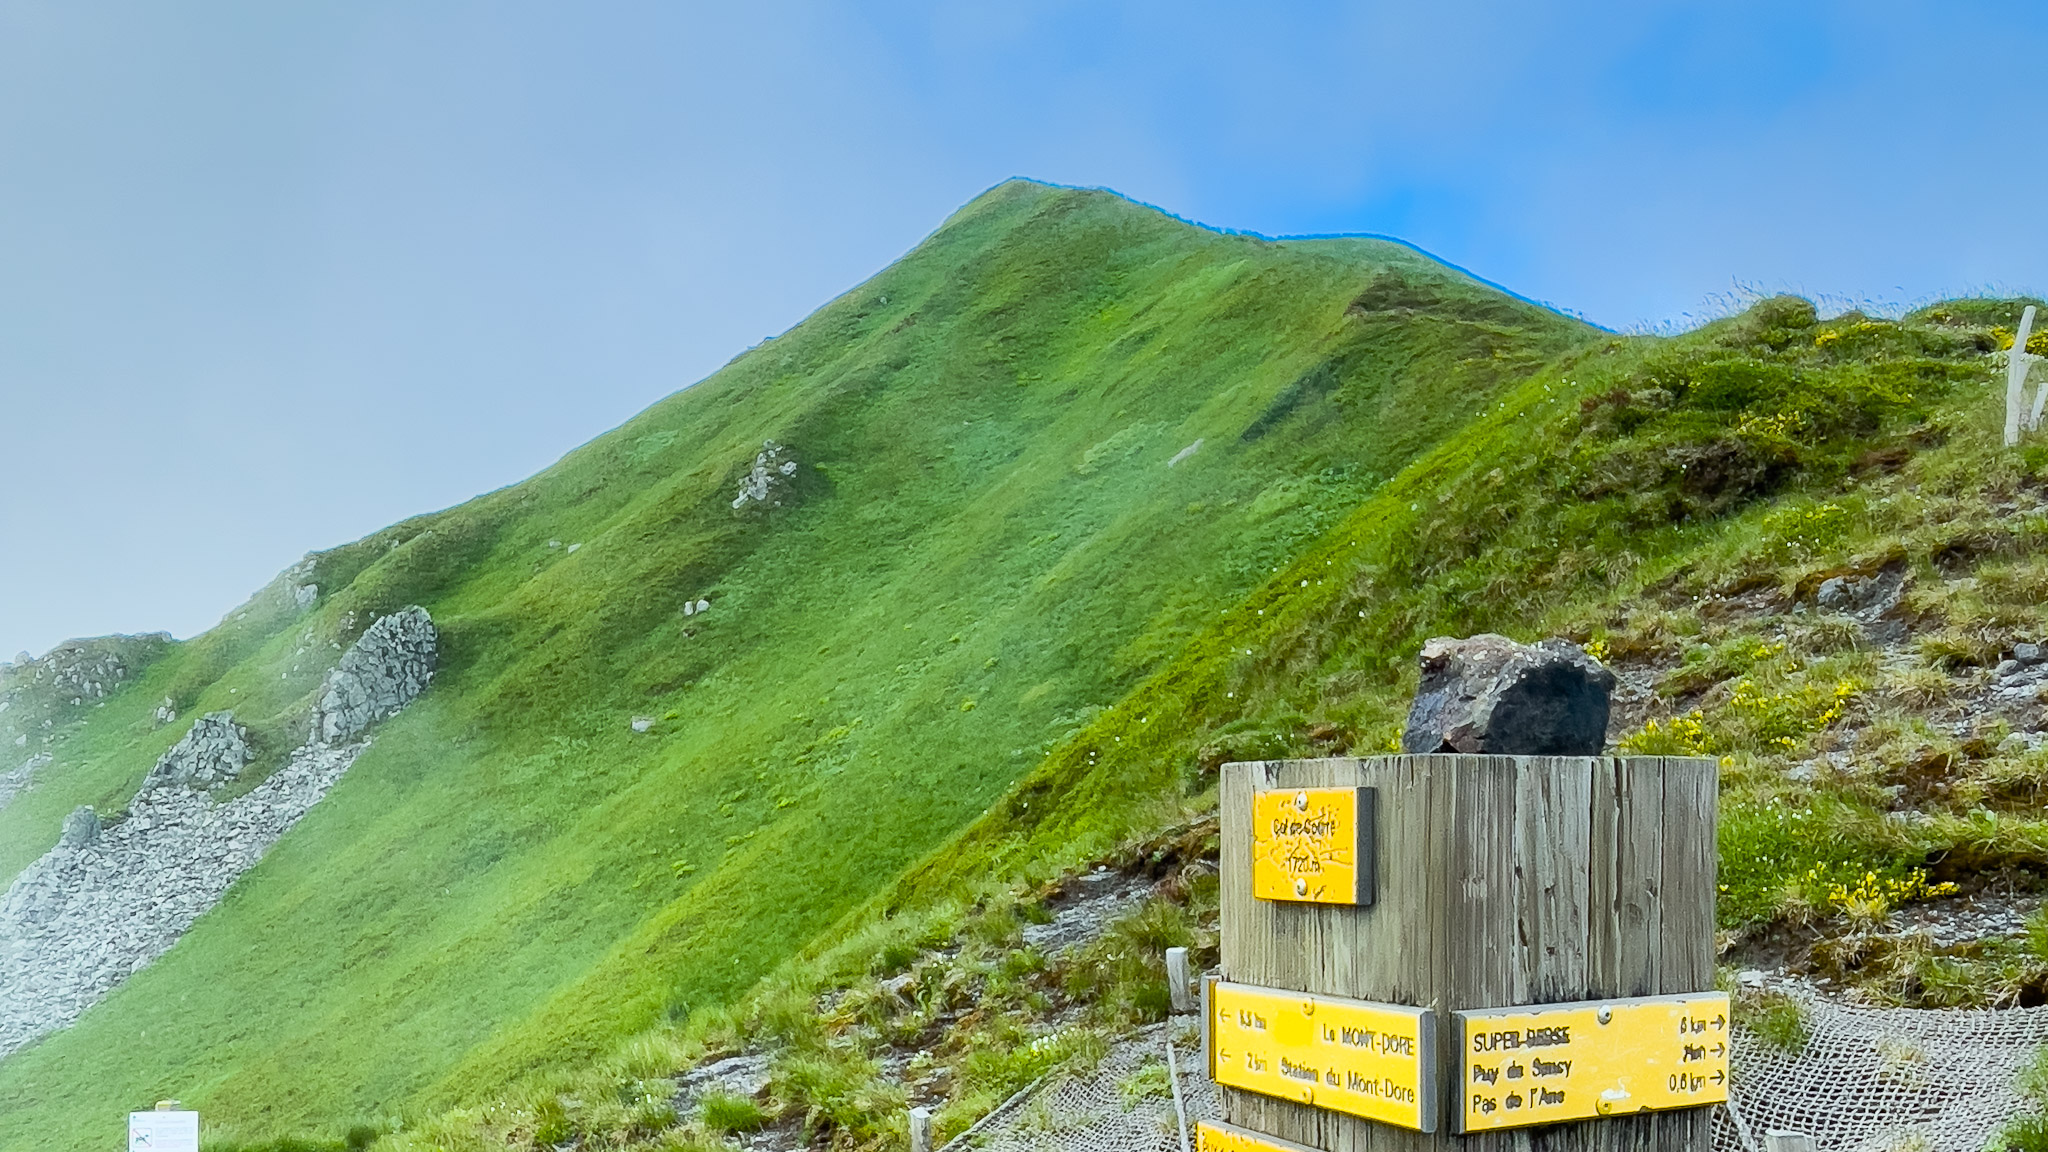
column 1223, row 1138
column 1553, row 1062
column 1313, row 845
column 1376, row 1061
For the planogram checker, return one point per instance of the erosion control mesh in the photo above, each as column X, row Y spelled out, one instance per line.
column 1885, row 1079
column 1120, row 1106
column 1866, row 1080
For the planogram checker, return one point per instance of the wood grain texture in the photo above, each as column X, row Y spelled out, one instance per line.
column 1502, row 880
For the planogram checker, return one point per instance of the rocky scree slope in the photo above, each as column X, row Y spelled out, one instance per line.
column 111, row 898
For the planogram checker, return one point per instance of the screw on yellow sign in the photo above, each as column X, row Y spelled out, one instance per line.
column 1553, row 1062
column 1223, row 1138
column 1376, row 1061
column 1313, row 845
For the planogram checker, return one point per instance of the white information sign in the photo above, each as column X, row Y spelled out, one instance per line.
column 163, row 1132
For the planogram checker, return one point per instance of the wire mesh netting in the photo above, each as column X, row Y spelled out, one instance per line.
column 1864, row 1080
column 1122, row 1105
column 1885, row 1079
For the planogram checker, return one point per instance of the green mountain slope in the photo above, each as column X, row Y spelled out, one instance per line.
column 995, row 529
column 1681, row 506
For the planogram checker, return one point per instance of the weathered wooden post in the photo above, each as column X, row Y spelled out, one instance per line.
column 920, row 1130
column 1180, row 989
column 1452, row 951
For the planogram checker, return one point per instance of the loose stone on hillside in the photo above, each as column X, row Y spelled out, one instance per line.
column 81, row 828
column 1490, row 695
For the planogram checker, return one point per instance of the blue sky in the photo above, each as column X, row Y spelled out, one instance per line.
column 273, row 276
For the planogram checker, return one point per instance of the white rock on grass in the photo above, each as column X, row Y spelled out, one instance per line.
column 773, row 467
column 16, row 780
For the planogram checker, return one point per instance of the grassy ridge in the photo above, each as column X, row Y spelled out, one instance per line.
column 1606, row 497
column 983, row 548
column 1673, row 503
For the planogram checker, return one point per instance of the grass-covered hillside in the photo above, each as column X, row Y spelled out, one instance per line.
column 1799, row 541
column 1035, row 463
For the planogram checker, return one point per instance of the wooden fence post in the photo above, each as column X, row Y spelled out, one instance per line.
column 1178, row 986
column 920, row 1130
column 1499, row 881
column 1781, row 1141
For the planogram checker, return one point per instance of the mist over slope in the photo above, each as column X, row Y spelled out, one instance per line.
column 1010, row 477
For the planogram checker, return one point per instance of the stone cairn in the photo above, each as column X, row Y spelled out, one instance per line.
column 111, row 897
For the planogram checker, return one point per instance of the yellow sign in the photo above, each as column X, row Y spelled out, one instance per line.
column 1376, row 1061
column 1547, row 1063
column 1314, row 845
column 1223, row 1138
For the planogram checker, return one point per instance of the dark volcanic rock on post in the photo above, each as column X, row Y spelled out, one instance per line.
column 1491, row 695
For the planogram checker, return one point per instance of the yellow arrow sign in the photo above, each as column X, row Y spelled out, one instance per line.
column 1376, row 1061
column 1224, row 1138
column 1552, row 1062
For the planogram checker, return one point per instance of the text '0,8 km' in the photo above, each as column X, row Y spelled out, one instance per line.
column 1375, row 1061
column 1553, row 1062
column 1314, row 845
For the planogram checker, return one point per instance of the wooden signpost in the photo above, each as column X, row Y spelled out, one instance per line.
column 1471, row 952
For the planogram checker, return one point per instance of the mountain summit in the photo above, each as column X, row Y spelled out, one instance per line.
column 714, row 681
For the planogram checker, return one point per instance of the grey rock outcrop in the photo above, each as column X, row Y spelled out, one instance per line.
column 389, row 666
column 1860, row 594
column 1490, row 695
column 766, row 481
column 213, row 753
column 39, row 692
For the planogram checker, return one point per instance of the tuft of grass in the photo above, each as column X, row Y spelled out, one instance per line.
column 1148, row 1081
column 1775, row 1019
column 728, row 1114
column 2029, row 1133
column 1122, row 974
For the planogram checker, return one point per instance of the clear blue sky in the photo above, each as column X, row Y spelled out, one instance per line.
column 275, row 275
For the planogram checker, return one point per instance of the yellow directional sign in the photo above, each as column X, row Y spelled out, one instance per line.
column 1376, row 1061
column 1313, row 845
column 1551, row 1062
column 1223, row 1138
